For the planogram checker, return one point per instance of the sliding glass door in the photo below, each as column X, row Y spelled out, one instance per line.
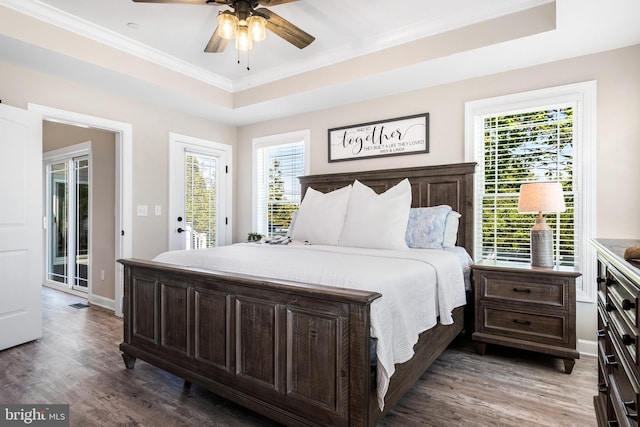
column 68, row 223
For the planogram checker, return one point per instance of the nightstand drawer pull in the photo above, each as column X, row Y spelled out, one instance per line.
column 522, row 322
column 628, row 305
column 522, row 291
column 610, row 360
column 602, row 388
column 601, row 334
column 610, row 281
column 628, row 340
column 613, row 423
column 600, row 280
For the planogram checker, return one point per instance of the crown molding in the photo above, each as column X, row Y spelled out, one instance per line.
column 64, row 20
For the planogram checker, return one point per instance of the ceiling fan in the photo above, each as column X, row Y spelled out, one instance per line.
column 246, row 23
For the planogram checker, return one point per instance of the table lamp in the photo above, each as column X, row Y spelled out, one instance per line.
column 541, row 197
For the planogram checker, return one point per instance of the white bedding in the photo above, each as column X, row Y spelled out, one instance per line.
column 417, row 285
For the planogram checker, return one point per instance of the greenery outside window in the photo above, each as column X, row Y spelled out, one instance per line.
column 278, row 162
column 521, row 147
column 545, row 135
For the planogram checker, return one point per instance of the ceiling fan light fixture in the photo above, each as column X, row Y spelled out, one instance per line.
column 257, row 28
column 243, row 39
column 227, row 25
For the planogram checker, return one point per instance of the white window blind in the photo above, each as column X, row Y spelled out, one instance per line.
column 277, row 186
column 519, row 147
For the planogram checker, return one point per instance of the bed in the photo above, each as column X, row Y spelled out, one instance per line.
column 299, row 353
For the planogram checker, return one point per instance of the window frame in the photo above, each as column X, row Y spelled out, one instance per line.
column 275, row 140
column 583, row 95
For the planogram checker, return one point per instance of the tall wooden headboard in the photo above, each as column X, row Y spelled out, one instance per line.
column 430, row 186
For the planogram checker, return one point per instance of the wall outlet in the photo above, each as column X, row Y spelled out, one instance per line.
column 142, row 210
column 101, row 274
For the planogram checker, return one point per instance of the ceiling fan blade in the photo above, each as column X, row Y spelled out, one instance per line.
column 201, row 2
column 274, row 2
column 216, row 43
column 286, row 30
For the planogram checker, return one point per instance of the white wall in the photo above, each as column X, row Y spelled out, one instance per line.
column 618, row 201
column 151, row 126
column 618, row 136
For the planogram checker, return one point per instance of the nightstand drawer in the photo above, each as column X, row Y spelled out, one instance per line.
column 514, row 287
column 527, row 326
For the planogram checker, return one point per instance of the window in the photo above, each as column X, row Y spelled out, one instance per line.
column 544, row 135
column 278, row 162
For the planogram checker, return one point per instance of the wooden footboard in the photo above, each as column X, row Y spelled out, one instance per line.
column 297, row 354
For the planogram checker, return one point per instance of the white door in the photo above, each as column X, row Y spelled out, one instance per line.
column 20, row 226
column 199, row 193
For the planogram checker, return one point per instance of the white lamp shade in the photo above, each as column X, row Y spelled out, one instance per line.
column 541, row 197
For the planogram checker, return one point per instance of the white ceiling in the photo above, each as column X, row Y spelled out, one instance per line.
column 174, row 36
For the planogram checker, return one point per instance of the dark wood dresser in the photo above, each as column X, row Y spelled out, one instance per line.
column 526, row 307
column 618, row 368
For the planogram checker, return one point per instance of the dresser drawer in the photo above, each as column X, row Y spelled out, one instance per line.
column 533, row 327
column 626, row 337
column 623, row 296
column 516, row 288
column 624, row 393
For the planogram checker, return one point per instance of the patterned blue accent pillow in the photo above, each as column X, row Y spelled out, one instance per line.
column 426, row 226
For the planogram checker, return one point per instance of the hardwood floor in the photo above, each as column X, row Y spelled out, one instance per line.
column 78, row 362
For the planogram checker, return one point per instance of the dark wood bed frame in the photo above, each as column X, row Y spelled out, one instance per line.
column 299, row 354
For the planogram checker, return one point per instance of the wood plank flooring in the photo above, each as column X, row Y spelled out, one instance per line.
column 78, row 362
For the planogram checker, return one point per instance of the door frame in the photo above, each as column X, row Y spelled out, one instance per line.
column 124, row 187
column 178, row 144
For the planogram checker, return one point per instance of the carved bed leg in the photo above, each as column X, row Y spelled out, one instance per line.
column 129, row 361
column 480, row 347
column 568, row 365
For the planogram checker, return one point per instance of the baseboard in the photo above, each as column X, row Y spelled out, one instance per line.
column 588, row 348
column 62, row 288
column 103, row 302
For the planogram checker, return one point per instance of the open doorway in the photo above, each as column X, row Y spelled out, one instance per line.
column 120, row 203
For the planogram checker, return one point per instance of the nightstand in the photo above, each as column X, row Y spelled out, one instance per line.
column 526, row 307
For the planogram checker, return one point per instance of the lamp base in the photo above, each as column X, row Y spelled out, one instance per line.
column 541, row 244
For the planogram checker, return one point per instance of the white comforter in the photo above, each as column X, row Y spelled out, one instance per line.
column 417, row 285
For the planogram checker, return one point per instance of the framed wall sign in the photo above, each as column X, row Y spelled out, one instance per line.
column 402, row 135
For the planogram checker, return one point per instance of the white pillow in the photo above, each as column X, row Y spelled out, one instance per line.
column 451, row 229
column 321, row 216
column 294, row 215
column 377, row 220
